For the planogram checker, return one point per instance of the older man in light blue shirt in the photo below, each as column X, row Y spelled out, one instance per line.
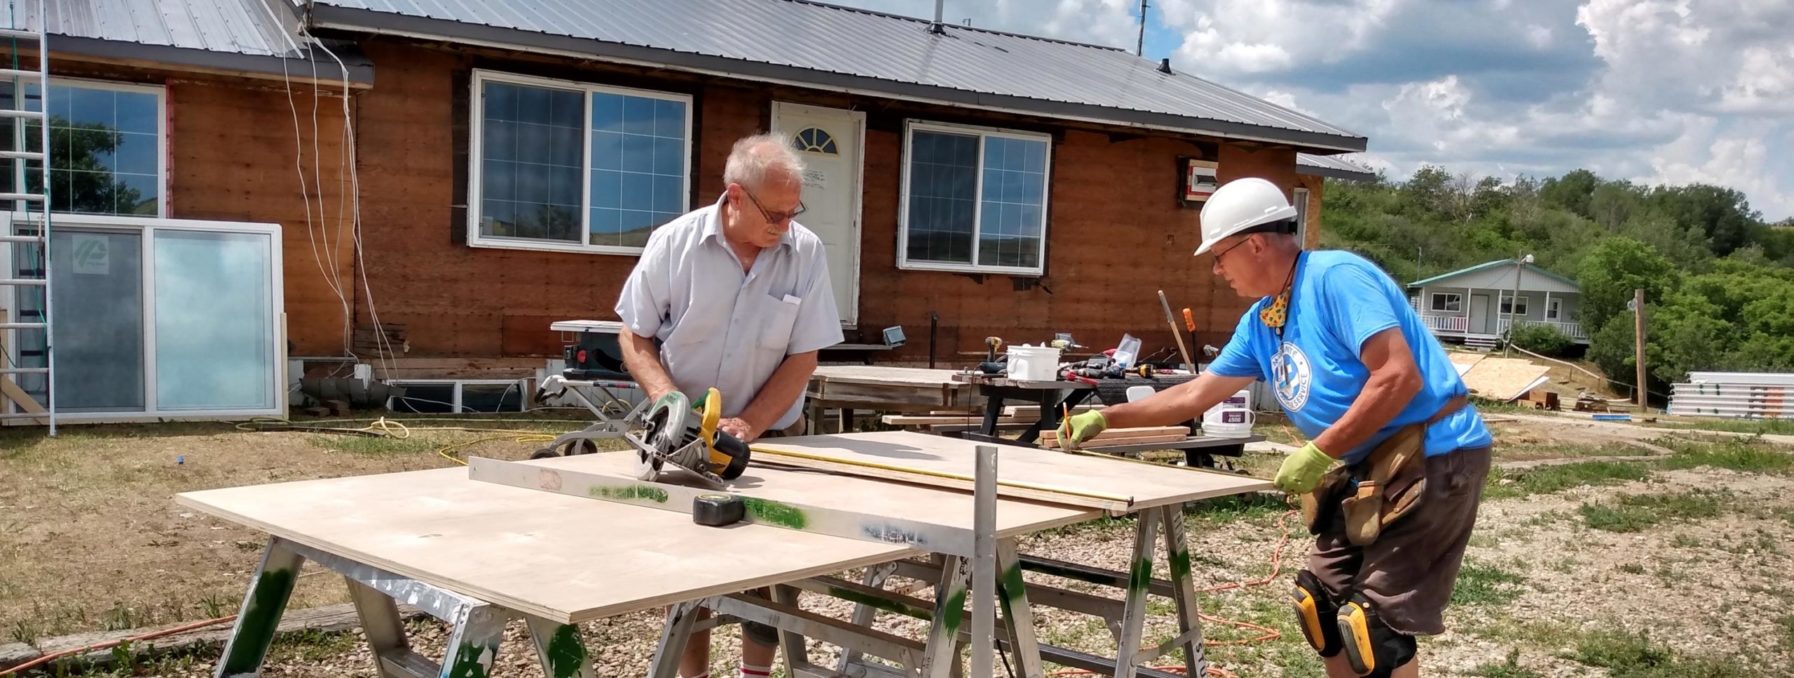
column 735, row 296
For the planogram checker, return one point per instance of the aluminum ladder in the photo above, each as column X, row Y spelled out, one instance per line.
column 25, row 241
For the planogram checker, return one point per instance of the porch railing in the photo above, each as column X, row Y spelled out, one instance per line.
column 1569, row 329
column 1455, row 324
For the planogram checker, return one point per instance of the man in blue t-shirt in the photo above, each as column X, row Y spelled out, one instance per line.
column 1352, row 365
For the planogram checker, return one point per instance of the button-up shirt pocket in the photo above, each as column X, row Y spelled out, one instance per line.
column 778, row 313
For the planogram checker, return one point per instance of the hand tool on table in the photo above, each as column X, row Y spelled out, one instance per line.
column 1189, row 365
column 992, row 363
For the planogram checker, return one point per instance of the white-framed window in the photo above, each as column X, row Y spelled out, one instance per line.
column 1508, row 306
column 974, row 199
column 571, row 166
column 158, row 319
column 1301, row 200
column 1447, row 302
column 108, row 143
column 1553, row 309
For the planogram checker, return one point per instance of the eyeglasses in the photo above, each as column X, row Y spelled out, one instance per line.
column 1235, row 246
column 773, row 217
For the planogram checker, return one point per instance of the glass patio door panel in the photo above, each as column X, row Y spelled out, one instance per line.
column 98, row 311
column 214, row 346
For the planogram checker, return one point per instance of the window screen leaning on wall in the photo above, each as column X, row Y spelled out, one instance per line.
column 565, row 165
column 974, row 199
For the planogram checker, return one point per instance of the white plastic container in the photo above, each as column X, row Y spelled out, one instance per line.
column 1232, row 418
column 1033, row 363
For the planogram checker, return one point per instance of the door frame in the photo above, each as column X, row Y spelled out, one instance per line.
column 1489, row 311
column 859, row 191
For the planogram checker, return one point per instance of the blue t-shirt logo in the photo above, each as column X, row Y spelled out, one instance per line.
column 1293, row 376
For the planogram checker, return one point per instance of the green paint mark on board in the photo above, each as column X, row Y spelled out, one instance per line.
column 776, row 513
column 1180, row 563
column 1141, row 576
column 566, row 654
column 956, row 611
column 256, row 631
column 632, row 492
column 467, row 661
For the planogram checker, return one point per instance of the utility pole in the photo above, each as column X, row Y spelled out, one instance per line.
column 1513, row 306
column 1638, row 348
column 1140, row 47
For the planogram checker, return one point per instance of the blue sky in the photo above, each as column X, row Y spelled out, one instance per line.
column 1650, row 91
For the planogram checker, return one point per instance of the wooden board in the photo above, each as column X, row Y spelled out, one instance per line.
column 868, row 374
column 1504, row 378
column 566, row 559
column 1114, row 485
column 917, row 503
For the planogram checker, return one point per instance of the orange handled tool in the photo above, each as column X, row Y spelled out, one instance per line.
column 1189, row 320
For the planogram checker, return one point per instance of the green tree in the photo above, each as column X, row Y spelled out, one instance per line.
column 1572, row 191
column 1612, row 269
column 84, row 182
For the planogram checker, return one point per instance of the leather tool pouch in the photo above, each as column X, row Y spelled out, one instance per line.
column 1375, row 493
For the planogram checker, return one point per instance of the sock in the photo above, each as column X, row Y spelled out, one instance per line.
column 755, row 671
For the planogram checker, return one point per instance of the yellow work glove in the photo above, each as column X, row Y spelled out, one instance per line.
column 1077, row 428
column 1302, row 471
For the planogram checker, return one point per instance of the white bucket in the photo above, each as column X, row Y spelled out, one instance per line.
column 1232, row 418
column 1033, row 363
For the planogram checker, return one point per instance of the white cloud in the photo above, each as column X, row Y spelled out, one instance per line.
column 1657, row 91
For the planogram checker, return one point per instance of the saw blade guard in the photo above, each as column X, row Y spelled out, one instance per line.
column 728, row 456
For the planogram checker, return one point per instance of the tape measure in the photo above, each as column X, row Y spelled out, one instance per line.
column 716, row 510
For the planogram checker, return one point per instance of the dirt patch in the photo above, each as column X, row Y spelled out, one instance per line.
column 90, row 538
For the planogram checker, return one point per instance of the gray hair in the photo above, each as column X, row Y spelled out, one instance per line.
column 752, row 157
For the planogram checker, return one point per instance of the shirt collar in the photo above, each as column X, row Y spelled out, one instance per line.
column 713, row 225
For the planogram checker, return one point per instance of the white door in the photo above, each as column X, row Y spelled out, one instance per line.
column 829, row 140
column 1483, row 322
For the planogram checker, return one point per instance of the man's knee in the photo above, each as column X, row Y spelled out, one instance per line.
column 1316, row 614
column 1371, row 647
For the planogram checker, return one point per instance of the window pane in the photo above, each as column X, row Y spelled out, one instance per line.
column 105, row 146
column 531, row 162
column 1012, row 199
column 214, row 348
column 943, row 170
column 99, row 321
column 638, row 143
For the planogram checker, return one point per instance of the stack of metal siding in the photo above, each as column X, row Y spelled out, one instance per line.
column 1737, row 395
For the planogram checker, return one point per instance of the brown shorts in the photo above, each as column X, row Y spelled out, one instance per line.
column 1409, row 571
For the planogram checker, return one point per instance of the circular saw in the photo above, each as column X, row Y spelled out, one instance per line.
column 673, row 432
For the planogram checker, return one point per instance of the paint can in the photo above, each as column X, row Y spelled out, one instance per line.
column 1231, row 418
column 1033, row 363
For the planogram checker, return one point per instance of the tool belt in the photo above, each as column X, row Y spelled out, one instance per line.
column 1390, row 483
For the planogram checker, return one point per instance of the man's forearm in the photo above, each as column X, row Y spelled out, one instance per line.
column 780, row 390
column 642, row 358
column 1384, row 396
column 1178, row 403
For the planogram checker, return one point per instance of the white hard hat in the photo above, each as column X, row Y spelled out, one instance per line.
column 1240, row 205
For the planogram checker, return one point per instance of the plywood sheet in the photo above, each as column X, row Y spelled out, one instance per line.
column 567, row 559
column 1117, row 485
column 920, row 503
column 1504, row 378
column 1465, row 361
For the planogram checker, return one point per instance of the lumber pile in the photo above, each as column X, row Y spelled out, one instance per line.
column 1735, row 395
column 1124, row 436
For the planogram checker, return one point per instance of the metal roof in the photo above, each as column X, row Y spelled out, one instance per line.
column 236, row 35
column 1492, row 264
column 812, row 44
column 1332, row 166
